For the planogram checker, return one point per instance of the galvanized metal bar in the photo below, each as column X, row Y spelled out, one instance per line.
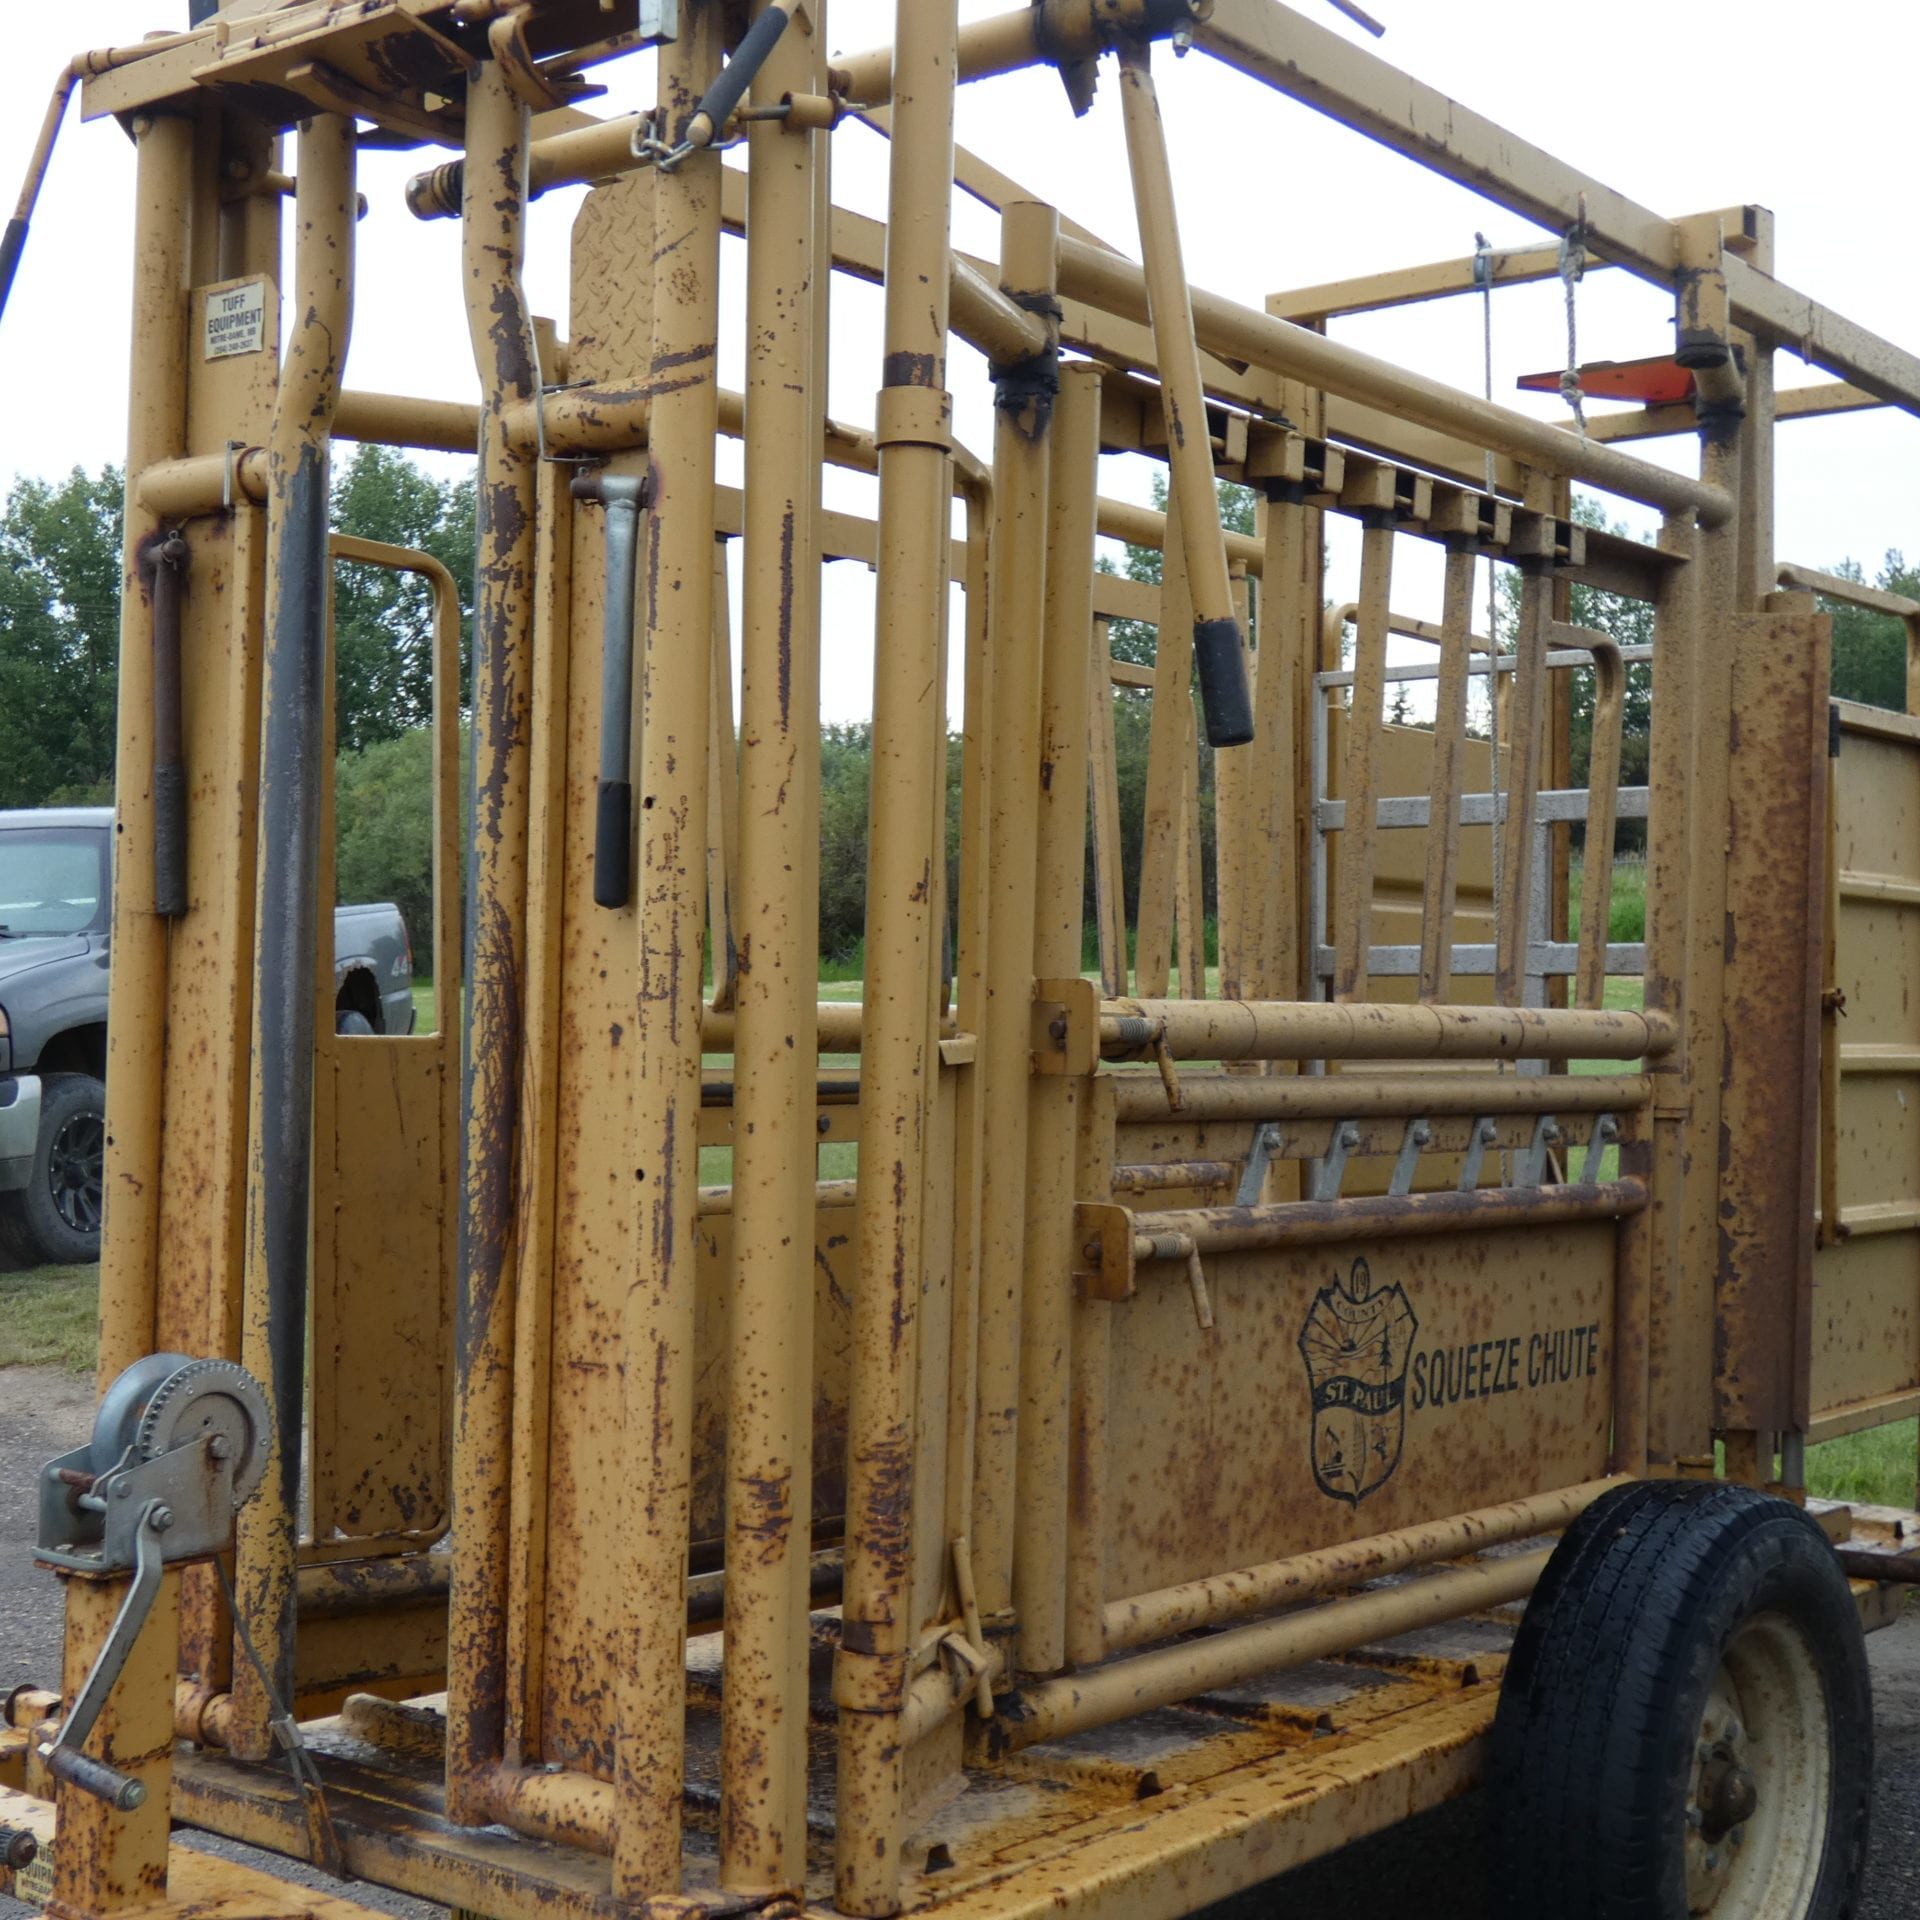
column 870, row 1668
column 501, row 328
column 763, row 1758
column 295, row 660
column 723, row 796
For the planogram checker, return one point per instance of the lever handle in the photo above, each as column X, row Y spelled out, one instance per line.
column 1225, row 698
column 119, row 1790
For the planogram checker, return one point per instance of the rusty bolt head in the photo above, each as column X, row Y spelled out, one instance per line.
column 160, row 1519
column 218, row 1447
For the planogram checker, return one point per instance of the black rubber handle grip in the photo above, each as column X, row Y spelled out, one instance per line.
column 11, row 243
column 170, row 841
column 613, row 844
column 120, row 1791
column 731, row 83
column 1224, row 695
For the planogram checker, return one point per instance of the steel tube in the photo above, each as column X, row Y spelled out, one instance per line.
column 763, row 1715
column 1017, row 618
column 1302, row 1030
column 620, row 497
column 1439, row 892
column 293, row 696
column 1046, row 1308
column 1217, row 649
column 1527, row 716
column 1224, row 1597
column 1353, row 914
column 1297, row 1223
column 501, row 328
column 916, row 486
column 1169, row 748
column 1142, row 1097
column 1239, row 333
column 657, row 1322
column 1081, row 1702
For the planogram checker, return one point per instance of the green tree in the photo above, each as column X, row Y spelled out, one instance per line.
column 1870, row 649
column 59, row 631
column 383, row 621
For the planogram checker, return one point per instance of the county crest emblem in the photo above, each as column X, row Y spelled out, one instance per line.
column 1356, row 1343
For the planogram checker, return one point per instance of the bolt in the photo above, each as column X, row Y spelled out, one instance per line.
column 1182, row 42
column 1713, row 1861
column 1733, row 1731
column 1695, row 1818
column 822, row 1124
column 160, row 1519
column 218, row 1447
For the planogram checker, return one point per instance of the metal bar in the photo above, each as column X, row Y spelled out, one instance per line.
column 1560, row 660
column 170, row 558
column 1523, row 786
column 1103, row 775
column 1170, row 739
column 1256, row 339
column 1404, row 286
column 916, row 486
column 1222, row 1597
column 657, row 1322
column 1603, row 774
column 763, row 1720
column 1290, row 1223
column 1353, row 905
column 1290, row 1030
column 501, row 329
column 295, row 662
column 1217, row 648
column 1443, row 798
column 1478, row 810
column 1080, row 1702
column 1017, row 617
column 1189, row 913
column 1793, row 403
column 1543, row 959
column 1141, row 1097
column 1046, row 1308
column 723, row 795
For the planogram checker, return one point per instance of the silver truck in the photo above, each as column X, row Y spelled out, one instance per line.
column 55, row 916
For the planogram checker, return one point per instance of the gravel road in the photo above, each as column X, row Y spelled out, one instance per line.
column 1429, row 1865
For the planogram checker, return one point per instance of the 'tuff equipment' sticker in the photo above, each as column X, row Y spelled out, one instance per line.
column 236, row 319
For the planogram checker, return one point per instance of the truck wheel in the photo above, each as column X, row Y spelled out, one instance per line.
column 347, row 1021
column 1686, row 1724
column 60, row 1209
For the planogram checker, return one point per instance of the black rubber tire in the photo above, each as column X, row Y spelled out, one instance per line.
column 347, row 1021
column 1593, row 1744
column 59, row 1210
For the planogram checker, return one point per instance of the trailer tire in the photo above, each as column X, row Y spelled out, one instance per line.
column 1686, row 1722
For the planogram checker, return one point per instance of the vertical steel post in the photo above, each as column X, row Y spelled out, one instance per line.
column 657, row 1327
column 1512, row 916
column 1169, row 745
column 1060, row 811
column 493, row 213
column 763, row 1752
column 137, row 996
column 1017, row 620
column 1443, row 798
column 898, row 1055
column 1360, row 787
column 293, row 694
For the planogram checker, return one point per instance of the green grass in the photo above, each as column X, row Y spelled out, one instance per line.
column 1626, row 903
column 1875, row 1468
column 423, row 1005
column 49, row 1317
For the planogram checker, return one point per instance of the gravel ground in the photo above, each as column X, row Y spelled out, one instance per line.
column 44, row 1412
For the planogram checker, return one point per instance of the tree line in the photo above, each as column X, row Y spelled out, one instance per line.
column 59, row 630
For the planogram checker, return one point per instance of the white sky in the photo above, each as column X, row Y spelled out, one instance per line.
column 1684, row 107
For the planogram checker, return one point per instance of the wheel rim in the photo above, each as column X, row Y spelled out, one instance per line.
column 76, row 1168
column 1760, row 1786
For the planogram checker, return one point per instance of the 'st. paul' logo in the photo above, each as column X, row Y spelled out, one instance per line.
column 1356, row 1343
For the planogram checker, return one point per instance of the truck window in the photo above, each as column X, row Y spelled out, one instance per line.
column 50, row 880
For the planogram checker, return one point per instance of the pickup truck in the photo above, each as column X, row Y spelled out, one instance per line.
column 55, row 918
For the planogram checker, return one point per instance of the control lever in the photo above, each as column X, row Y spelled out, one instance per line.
column 621, row 496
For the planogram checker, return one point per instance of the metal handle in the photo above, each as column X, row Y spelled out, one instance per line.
column 169, row 757
column 63, row 1756
column 730, row 85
